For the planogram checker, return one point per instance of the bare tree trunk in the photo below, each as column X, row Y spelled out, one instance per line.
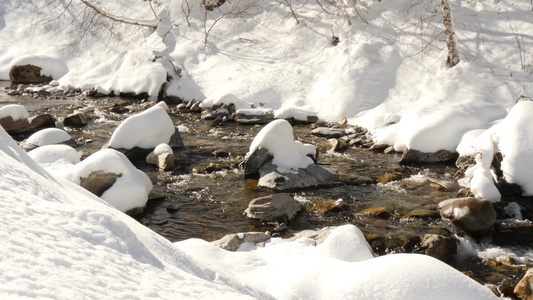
column 449, row 31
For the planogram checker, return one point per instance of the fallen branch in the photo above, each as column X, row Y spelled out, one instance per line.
column 144, row 23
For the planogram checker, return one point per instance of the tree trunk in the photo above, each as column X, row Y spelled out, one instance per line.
column 449, row 31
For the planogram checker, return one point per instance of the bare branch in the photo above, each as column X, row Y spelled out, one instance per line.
column 143, row 23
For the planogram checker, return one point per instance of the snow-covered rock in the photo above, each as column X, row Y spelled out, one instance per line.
column 162, row 157
column 144, row 130
column 47, row 136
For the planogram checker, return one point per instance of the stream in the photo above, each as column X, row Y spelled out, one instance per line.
column 206, row 194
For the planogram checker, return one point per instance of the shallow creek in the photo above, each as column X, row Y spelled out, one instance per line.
column 206, row 194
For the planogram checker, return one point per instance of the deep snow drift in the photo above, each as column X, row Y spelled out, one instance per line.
column 59, row 241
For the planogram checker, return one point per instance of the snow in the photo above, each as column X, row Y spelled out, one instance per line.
column 48, row 136
column 15, row 111
column 55, row 158
column 50, row 66
column 388, row 76
column 513, row 137
column 60, row 241
column 145, row 130
column 163, row 148
column 278, row 139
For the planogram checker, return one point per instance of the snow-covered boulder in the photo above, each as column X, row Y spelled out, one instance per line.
column 129, row 189
column 283, row 163
column 144, row 130
column 14, row 118
column 47, row 136
column 36, row 69
column 55, row 158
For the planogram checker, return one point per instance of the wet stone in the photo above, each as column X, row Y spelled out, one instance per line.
column 328, row 132
column 273, row 207
column 379, row 212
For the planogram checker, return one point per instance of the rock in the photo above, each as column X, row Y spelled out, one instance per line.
column 421, row 213
column 380, row 148
column 27, row 74
column 515, row 233
column 14, row 127
column 328, row 132
column 164, row 161
column 273, row 207
column 98, row 182
column 439, row 246
column 253, row 162
column 311, row 176
column 475, row 216
column 175, row 139
column 191, row 103
column 42, row 121
column 76, row 119
column 390, row 177
column 379, row 212
column 215, row 114
column 337, row 145
column 312, row 119
column 413, row 157
column 524, row 289
column 196, row 108
column 253, row 119
column 232, row 242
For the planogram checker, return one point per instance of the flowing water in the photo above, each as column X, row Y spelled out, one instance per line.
column 206, row 193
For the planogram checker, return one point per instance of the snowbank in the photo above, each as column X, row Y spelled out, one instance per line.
column 55, row 158
column 278, row 139
column 145, row 130
column 513, row 137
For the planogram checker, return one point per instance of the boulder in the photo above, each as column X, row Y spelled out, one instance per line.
column 524, row 289
column 439, row 246
column 337, row 144
column 175, row 139
column 42, row 121
column 473, row 215
column 253, row 119
column 75, row 119
column 27, row 74
column 253, row 162
column 413, row 157
column 232, row 242
column 164, row 161
column 328, row 132
column 512, row 233
column 276, row 207
column 14, row 127
column 311, row 176
column 98, row 182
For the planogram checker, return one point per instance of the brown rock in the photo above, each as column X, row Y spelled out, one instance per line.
column 164, row 161
column 232, row 242
column 439, row 246
column 13, row 127
column 76, row 119
column 273, row 207
column 42, row 121
column 475, row 216
column 524, row 289
column 98, row 182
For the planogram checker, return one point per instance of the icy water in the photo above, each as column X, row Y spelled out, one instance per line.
column 206, row 193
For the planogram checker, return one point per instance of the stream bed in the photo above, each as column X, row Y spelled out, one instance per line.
column 206, row 194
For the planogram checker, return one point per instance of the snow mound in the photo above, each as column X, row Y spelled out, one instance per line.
column 278, row 139
column 50, row 66
column 301, row 270
column 15, row 111
column 55, row 158
column 145, row 130
column 48, row 136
